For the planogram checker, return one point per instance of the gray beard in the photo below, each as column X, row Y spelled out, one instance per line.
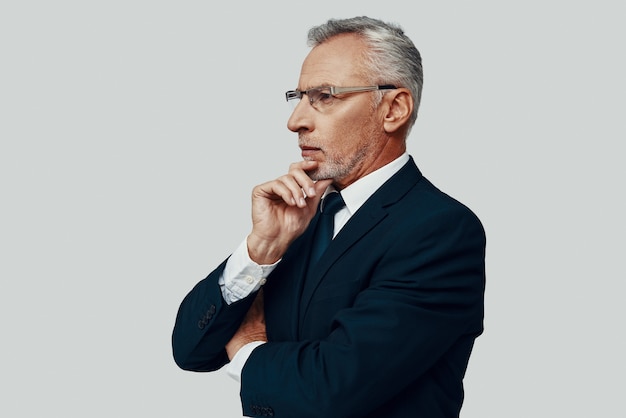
column 337, row 168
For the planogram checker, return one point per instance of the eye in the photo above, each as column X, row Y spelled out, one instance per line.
column 320, row 96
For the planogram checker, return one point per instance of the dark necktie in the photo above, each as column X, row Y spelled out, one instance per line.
column 330, row 205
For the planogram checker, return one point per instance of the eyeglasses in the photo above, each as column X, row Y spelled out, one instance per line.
column 320, row 97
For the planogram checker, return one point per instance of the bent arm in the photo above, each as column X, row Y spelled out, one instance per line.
column 204, row 325
column 280, row 213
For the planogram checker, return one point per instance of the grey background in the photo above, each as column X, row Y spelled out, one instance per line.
column 133, row 131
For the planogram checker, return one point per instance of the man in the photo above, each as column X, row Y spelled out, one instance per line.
column 383, row 323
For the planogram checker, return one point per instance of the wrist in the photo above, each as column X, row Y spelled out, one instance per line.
column 235, row 367
column 263, row 251
column 253, row 340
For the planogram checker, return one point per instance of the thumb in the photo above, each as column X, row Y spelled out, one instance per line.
column 320, row 187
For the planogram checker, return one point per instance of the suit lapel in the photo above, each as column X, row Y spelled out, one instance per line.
column 374, row 210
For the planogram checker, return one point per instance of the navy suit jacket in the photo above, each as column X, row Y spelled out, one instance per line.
column 384, row 326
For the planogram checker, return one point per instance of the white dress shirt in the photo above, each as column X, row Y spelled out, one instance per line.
column 242, row 276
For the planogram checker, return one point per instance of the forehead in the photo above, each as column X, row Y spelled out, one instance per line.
column 338, row 62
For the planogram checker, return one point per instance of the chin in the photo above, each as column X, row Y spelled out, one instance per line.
column 316, row 175
column 327, row 170
column 322, row 175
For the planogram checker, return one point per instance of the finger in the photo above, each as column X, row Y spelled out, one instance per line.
column 295, row 181
column 299, row 171
column 289, row 188
column 275, row 190
column 322, row 185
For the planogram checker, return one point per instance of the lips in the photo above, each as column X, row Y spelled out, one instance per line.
column 308, row 153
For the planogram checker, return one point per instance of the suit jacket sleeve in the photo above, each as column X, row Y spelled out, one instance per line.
column 204, row 324
column 418, row 314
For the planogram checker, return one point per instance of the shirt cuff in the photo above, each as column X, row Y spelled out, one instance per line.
column 235, row 367
column 242, row 276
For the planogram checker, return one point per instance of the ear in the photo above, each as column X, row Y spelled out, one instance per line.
column 399, row 108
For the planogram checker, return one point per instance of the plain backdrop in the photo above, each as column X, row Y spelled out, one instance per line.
column 132, row 133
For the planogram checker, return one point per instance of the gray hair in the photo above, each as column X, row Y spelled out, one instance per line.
column 391, row 58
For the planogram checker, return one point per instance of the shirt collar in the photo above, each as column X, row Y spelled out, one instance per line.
column 358, row 192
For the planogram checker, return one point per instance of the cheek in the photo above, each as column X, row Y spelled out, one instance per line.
column 350, row 133
column 333, row 136
column 345, row 141
column 363, row 133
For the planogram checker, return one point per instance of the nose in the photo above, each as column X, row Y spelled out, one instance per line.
column 300, row 117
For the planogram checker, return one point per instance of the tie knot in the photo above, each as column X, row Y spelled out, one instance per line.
column 332, row 203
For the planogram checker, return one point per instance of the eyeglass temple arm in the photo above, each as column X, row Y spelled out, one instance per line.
column 339, row 90
column 297, row 94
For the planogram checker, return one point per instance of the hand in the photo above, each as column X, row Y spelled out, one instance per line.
column 282, row 210
column 251, row 329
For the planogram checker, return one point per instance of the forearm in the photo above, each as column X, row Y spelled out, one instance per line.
column 207, row 308
column 204, row 325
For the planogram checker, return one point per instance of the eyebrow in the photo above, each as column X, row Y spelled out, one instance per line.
column 317, row 87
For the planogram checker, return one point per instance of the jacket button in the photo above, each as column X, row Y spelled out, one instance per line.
column 201, row 324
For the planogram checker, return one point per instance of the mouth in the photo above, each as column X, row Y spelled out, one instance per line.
column 308, row 153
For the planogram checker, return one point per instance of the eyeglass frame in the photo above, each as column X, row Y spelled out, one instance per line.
column 334, row 90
